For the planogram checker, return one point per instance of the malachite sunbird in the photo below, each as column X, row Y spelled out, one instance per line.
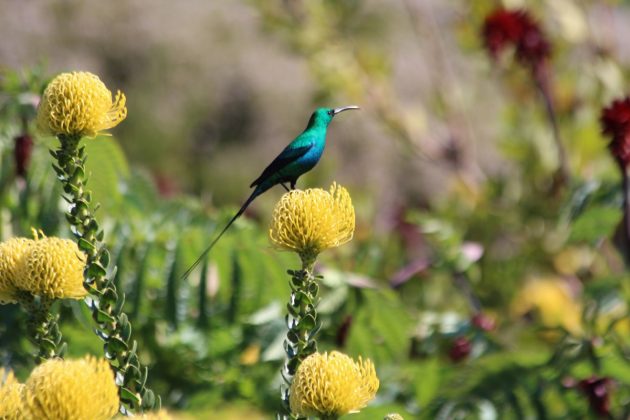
column 299, row 157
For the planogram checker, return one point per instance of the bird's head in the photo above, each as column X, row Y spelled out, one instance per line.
column 323, row 116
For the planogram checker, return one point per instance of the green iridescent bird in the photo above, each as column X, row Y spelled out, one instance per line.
column 299, row 157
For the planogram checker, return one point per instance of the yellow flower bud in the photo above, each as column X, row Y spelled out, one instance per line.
column 10, row 396
column 11, row 253
column 79, row 104
column 52, row 267
column 71, row 390
column 311, row 221
column 332, row 384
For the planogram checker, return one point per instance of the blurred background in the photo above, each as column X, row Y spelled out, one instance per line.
column 215, row 90
column 467, row 245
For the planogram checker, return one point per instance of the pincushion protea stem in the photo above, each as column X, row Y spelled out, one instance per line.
column 42, row 327
column 302, row 322
column 105, row 302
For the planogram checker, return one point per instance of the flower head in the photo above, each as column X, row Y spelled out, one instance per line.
column 79, row 104
column 11, row 254
column 597, row 389
column 10, row 396
column 551, row 300
column 500, row 29
column 517, row 28
column 460, row 349
column 52, row 267
column 332, row 384
column 615, row 120
column 311, row 221
column 483, row 321
column 22, row 154
column 71, row 389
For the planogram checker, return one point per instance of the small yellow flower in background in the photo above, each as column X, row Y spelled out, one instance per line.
column 10, row 396
column 11, row 253
column 311, row 221
column 52, row 267
column 331, row 385
column 251, row 355
column 393, row 416
column 551, row 300
column 79, row 104
column 71, row 390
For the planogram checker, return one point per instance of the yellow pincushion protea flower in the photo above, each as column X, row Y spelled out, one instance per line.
column 79, row 104
column 330, row 385
column 311, row 221
column 72, row 390
column 52, row 267
column 10, row 396
column 11, row 253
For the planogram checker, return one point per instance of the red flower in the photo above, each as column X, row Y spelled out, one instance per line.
column 616, row 122
column 500, row 29
column 460, row 349
column 22, row 154
column 597, row 391
column 517, row 28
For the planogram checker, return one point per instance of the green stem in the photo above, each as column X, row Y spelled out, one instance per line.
column 105, row 302
column 625, row 182
column 42, row 327
column 301, row 320
column 541, row 79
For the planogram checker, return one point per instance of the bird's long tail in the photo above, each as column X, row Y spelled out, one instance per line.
column 251, row 198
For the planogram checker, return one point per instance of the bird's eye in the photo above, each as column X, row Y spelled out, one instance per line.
column 331, row 112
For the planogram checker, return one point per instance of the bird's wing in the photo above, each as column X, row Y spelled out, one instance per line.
column 288, row 155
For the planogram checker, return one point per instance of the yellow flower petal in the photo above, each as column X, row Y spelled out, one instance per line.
column 79, row 104
column 10, row 396
column 311, row 221
column 332, row 385
column 71, row 390
column 11, row 253
column 52, row 267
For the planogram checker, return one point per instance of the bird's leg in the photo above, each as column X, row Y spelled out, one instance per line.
column 293, row 181
column 285, row 187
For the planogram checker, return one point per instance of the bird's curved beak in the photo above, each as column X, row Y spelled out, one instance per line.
column 344, row 108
